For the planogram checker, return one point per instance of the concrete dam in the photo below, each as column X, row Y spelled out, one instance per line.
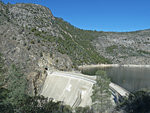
column 74, row 89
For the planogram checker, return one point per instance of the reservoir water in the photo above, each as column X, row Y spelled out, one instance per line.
column 130, row 78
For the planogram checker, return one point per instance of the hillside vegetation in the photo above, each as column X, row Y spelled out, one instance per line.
column 32, row 39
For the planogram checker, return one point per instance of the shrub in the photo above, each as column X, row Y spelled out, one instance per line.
column 110, row 49
column 137, row 102
column 101, row 94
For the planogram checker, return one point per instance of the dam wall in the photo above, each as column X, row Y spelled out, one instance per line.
column 74, row 89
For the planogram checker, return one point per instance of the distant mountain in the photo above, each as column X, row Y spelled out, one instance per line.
column 125, row 47
column 34, row 40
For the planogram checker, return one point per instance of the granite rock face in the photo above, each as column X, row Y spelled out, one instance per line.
column 21, row 46
column 124, row 48
column 33, row 16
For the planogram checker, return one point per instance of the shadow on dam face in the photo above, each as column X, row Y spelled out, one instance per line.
column 71, row 88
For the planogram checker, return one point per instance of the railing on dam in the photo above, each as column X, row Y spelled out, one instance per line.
column 121, row 91
column 118, row 92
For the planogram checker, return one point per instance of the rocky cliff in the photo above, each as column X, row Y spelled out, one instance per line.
column 125, row 48
column 20, row 43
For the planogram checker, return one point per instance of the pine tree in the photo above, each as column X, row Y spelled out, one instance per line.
column 101, row 93
column 16, row 85
column 2, row 71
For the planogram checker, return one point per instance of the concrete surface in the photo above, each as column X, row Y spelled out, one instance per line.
column 74, row 89
column 121, row 91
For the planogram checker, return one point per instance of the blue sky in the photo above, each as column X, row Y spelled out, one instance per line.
column 100, row 15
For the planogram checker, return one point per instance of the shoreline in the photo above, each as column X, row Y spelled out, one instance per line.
column 111, row 65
